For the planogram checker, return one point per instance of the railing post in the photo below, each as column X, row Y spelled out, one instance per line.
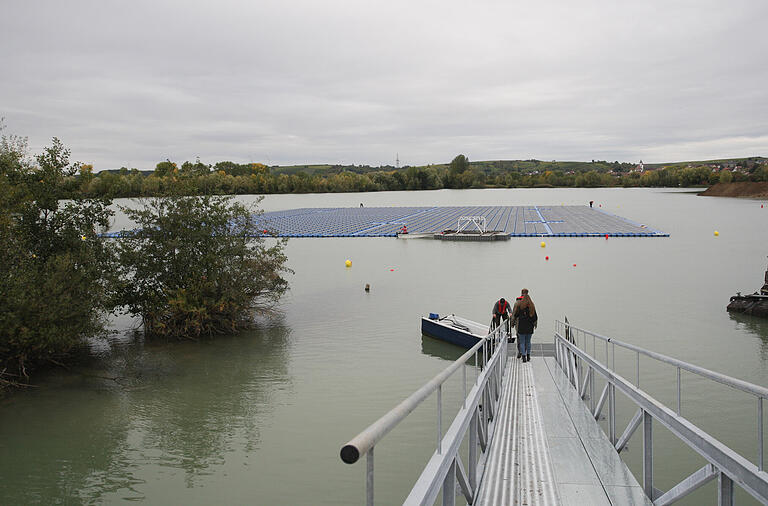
column 449, row 486
column 473, row 451
column 648, row 455
column 369, row 477
column 679, row 392
column 724, row 490
column 759, row 433
column 464, row 384
column 637, row 384
column 611, row 413
column 439, row 419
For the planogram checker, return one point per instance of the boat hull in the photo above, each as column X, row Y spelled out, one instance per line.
column 755, row 305
column 448, row 333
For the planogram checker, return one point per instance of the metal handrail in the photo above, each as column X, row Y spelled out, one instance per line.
column 724, row 464
column 360, row 444
column 366, row 440
column 736, row 383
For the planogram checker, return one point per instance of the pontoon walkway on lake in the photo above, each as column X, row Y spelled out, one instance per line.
column 533, row 437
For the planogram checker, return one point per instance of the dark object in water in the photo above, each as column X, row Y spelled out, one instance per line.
column 453, row 329
column 755, row 304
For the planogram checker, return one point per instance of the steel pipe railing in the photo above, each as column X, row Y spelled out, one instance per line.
column 445, row 465
column 736, row 383
column 728, row 466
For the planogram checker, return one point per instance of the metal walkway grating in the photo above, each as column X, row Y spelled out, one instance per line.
column 517, row 221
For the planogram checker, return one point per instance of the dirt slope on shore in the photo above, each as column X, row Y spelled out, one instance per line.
column 745, row 190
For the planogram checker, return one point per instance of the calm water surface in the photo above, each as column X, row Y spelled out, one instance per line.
column 259, row 418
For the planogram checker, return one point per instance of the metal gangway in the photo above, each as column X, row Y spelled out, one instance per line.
column 533, row 434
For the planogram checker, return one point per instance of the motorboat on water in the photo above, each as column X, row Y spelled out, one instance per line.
column 453, row 329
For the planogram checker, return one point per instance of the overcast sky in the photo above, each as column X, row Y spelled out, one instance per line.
column 131, row 83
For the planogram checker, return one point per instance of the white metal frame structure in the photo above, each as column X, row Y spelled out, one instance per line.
column 476, row 418
column 723, row 464
column 465, row 221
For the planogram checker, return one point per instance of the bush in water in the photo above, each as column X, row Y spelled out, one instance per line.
column 53, row 282
column 193, row 267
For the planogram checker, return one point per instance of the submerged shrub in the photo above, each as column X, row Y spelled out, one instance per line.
column 194, row 268
column 53, row 281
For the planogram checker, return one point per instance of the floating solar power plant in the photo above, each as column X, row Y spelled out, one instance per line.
column 517, row 221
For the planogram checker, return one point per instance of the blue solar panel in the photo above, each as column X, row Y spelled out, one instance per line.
column 517, row 221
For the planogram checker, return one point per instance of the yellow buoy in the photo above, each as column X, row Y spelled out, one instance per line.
column 348, row 263
column 543, row 244
column 717, row 233
column 82, row 237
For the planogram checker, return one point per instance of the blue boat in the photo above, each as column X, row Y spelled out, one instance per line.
column 453, row 329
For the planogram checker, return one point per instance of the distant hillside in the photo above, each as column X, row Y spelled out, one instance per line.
column 493, row 167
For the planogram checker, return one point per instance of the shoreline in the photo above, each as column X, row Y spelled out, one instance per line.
column 744, row 190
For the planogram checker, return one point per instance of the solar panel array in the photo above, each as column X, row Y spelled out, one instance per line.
column 517, row 221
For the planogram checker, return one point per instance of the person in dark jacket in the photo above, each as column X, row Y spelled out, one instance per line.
column 524, row 317
column 501, row 310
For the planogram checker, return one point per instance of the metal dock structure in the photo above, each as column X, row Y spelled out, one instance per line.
column 515, row 221
column 530, row 432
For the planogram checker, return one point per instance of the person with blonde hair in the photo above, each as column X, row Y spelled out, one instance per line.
column 524, row 319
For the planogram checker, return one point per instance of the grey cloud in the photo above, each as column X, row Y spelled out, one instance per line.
column 356, row 82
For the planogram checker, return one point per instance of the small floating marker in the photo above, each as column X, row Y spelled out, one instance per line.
column 391, row 270
column 574, row 265
column 717, row 233
column 367, row 287
column 265, row 231
column 543, row 244
column 546, row 258
column 606, row 237
column 348, row 263
column 82, row 237
column 761, row 206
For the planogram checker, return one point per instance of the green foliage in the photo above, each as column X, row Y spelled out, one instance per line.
column 53, row 284
column 193, row 269
column 166, row 168
column 226, row 177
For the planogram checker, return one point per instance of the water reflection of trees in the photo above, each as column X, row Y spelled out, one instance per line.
column 755, row 325
column 215, row 400
column 178, row 406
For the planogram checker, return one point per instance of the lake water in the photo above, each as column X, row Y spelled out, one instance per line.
column 259, row 418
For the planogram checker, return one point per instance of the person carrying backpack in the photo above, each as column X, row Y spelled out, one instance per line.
column 524, row 317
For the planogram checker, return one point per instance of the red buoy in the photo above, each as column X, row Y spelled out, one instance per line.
column 606, row 237
column 546, row 258
column 574, row 265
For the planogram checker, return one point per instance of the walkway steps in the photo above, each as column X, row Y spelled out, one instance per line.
column 548, row 449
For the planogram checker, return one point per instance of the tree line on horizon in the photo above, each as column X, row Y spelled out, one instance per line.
column 232, row 178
